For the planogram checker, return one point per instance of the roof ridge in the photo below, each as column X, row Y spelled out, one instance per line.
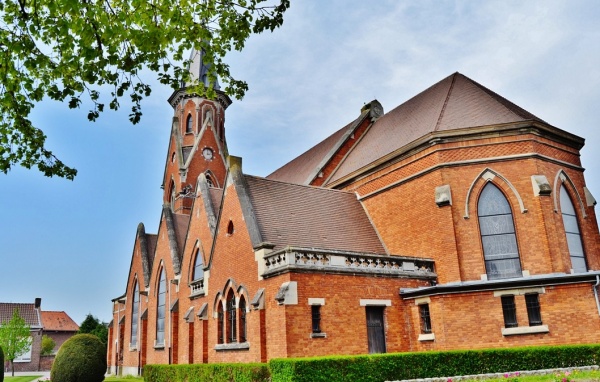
column 505, row 102
column 437, row 124
column 299, row 185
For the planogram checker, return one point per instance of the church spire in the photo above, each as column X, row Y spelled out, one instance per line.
column 199, row 70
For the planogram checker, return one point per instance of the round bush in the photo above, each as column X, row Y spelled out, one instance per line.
column 82, row 358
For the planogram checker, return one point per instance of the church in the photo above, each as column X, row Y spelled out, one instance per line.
column 456, row 220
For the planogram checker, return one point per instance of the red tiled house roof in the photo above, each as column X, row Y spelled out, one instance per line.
column 27, row 311
column 58, row 322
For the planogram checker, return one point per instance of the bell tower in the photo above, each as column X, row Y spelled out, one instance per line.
column 197, row 143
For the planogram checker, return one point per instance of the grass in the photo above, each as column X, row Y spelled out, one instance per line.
column 574, row 376
column 22, row 378
column 128, row 378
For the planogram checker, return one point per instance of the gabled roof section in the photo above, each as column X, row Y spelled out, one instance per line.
column 299, row 169
column 58, row 322
column 305, row 168
column 311, row 217
column 177, row 226
column 455, row 102
column 147, row 248
column 210, row 201
column 27, row 311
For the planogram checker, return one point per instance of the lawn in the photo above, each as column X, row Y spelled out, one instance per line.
column 22, row 378
column 123, row 379
column 574, row 376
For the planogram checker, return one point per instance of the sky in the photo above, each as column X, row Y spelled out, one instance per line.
column 70, row 242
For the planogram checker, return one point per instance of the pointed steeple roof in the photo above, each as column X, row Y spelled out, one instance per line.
column 199, row 70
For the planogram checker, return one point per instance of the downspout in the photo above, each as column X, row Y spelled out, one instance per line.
column 595, row 287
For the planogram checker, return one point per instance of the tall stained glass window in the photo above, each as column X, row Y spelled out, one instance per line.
column 498, row 236
column 572, row 231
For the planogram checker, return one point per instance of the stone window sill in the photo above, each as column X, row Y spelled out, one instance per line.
column 232, row 346
column 318, row 335
column 427, row 337
column 159, row 346
column 525, row 330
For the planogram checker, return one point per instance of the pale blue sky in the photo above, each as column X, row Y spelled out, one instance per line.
column 70, row 243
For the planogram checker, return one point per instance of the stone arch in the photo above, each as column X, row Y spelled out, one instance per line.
column 560, row 179
column 488, row 175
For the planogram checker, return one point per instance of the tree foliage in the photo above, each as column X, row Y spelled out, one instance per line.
column 71, row 50
column 91, row 325
column 48, row 345
column 15, row 339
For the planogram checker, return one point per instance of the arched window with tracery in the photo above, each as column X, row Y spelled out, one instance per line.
column 198, row 266
column 188, row 124
column 161, row 308
column 220, row 323
column 231, row 320
column 574, row 242
column 135, row 306
column 242, row 307
column 498, row 237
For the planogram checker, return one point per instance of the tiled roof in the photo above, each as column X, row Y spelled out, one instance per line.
column 152, row 240
column 311, row 217
column 215, row 196
column 58, row 322
column 456, row 102
column 299, row 169
column 26, row 311
column 181, row 223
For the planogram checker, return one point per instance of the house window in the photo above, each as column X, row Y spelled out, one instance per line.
column 161, row 309
column 498, row 234
column 425, row 318
column 135, row 306
column 572, row 231
column 242, row 319
column 198, row 267
column 509, row 309
column 532, row 302
column 231, row 321
column 220, row 324
column 188, row 124
column 315, row 313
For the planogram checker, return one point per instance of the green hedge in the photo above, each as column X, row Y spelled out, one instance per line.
column 398, row 366
column 215, row 372
column 382, row 367
column 1, row 365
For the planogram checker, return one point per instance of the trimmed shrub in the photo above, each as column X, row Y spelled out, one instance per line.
column 82, row 358
column 400, row 366
column 217, row 372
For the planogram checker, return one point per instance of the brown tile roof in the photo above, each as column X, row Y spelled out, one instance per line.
column 215, row 196
column 152, row 240
column 27, row 311
column 58, row 322
column 181, row 223
column 455, row 102
column 311, row 217
column 299, row 169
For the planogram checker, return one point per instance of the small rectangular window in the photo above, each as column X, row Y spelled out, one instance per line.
column 316, row 318
column 509, row 309
column 533, row 309
column 425, row 318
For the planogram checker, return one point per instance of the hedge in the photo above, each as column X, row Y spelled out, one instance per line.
column 399, row 366
column 214, row 372
column 382, row 367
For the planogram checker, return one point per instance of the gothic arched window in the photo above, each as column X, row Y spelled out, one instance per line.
column 231, row 320
column 161, row 308
column 198, row 266
column 498, row 236
column 135, row 306
column 572, row 231
column 242, row 319
column 188, row 124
